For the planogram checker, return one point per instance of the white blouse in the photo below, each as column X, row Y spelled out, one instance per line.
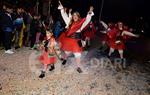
column 67, row 18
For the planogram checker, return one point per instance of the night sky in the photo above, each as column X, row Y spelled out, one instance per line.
column 116, row 7
column 127, row 11
column 112, row 9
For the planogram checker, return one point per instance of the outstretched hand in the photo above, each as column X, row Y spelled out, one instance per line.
column 137, row 36
column 70, row 10
column 60, row 4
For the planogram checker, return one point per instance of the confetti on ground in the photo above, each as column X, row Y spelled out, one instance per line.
column 19, row 76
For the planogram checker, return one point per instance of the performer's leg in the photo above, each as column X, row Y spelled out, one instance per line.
column 78, row 61
column 65, row 57
column 78, row 58
column 45, row 67
column 52, row 67
column 130, row 34
column 111, row 51
column 88, row 41
column 123, row 64
column 42, row 75
column 83, row 43
column 121, row 53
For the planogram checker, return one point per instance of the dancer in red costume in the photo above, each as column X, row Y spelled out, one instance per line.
column 117, row 37
column 88, row 33
column 70, row 40
column 48, row 56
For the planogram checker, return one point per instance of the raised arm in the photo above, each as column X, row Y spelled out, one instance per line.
column 104, row 24
column 64, row 15
column 129, row 34
column 88, row 19
column 70, row 15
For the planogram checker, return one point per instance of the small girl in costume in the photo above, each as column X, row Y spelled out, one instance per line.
column 48, row 57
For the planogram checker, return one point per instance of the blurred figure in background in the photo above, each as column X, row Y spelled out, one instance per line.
column 58, row 28
column 7, row 28
column 18, row 27
column 28, row 19
column 1, row 31
column 103, row 29
column 39, row 30
column 117, row 38
column 34, row 29
column 88, row 34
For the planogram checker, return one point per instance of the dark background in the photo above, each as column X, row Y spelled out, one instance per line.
column 128, row 11
column 110, row 8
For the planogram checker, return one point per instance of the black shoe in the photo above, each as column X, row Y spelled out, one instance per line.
column 42, row 75
column 64, row 62
column 100, row 48
column 123, row 64
column 52, row 68
column 108, row 56
column 17, row 47
column 79, row 70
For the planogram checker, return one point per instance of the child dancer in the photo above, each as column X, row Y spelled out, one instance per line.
column 48, row 56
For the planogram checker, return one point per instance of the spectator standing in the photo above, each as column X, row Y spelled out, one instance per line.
column 1, row 31
column 18, row 27
column 7, row 28
column 34, row 29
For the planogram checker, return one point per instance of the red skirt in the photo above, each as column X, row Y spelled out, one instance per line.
column 69, row 44
column 112, row 44
column 46, row 59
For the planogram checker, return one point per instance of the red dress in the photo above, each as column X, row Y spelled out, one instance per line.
column 46, row 57
column 68, row 43
column 112, row 39
column 89, row 31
